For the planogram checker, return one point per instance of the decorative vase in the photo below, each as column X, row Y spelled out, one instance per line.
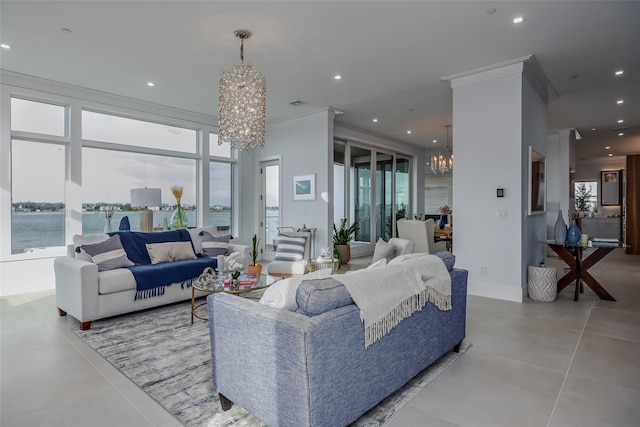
column 345, row 253
column 442, row 222
column 178, row 219
column 255, row 269
column 560, row 230
column 107, row 224
column 573, row 233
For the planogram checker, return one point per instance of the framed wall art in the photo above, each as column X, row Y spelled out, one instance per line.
column 304, row 187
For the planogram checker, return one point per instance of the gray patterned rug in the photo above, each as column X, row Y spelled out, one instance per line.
column 170, row 359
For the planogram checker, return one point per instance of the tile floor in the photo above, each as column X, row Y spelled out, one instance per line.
column 564, row 363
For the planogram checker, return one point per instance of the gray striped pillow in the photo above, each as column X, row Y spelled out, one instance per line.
column 213, row 246
column 108, row 255
column 290, row 248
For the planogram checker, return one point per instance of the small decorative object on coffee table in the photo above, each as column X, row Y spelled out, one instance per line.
column 245, row 283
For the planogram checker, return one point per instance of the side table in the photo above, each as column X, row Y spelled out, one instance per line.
column 542, row 283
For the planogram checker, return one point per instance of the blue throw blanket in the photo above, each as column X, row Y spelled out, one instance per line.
column 151, row 279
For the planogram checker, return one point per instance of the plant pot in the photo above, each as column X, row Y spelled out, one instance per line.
column 255, row 269
column 345, row 253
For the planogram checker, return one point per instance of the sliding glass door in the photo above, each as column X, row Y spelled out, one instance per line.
column 376, row 189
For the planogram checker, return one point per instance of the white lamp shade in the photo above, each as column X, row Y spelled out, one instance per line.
column 145, row 197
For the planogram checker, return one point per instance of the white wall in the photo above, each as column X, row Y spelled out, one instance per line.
column 560, row 161
column 534, row 135
column 305, row 147
column 496, row 116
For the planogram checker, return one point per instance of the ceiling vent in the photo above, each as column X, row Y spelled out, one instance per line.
column 297, row 103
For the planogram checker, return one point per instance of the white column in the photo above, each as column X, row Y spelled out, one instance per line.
column 497, row 114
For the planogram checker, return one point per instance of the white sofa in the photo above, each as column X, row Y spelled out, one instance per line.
column 88, row 295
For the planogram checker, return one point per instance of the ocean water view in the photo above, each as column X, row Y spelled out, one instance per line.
column 30, row 230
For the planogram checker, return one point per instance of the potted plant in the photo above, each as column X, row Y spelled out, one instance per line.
column 254, row 268
column 583, row 197
column 341, row 239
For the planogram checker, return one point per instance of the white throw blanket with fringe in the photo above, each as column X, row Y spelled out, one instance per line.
column 390, row 294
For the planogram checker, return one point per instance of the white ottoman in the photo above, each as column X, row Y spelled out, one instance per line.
column 542, row 283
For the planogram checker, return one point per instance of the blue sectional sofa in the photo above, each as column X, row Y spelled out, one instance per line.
column 291, row 369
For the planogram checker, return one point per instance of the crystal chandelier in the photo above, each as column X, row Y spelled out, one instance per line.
column 243, row 103
column 441, row 163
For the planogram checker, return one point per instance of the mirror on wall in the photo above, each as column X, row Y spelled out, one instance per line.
column 537, row 183
column 610, row 186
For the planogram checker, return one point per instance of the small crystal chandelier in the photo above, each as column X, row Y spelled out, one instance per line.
column 441, row 163
column 243, row 103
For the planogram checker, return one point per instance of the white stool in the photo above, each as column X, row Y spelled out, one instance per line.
column 542, row 283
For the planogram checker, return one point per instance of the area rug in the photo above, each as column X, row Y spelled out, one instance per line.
column 170, row 360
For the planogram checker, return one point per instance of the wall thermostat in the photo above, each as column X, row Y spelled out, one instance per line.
column 500, row 192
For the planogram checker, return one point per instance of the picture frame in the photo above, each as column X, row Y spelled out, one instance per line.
column 304, row 187
column 537, row 183
column 610, row 187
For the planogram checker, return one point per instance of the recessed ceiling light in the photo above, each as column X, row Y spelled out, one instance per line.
column 619, row 72
column 610, row 155
column 5, row 46
column 593, row 129
column 337, row 77
column 151, row 84
column 435, row 140
column 518, row 20
column 620, row 121
column 607, row 147
column 408, row 131
column 375, row 120
column 620, row 133
column 620, row 101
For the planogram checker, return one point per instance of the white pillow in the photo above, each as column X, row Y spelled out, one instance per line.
column 383, row 250
column 282, row 294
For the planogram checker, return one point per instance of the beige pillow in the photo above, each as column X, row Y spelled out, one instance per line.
column 170, row 251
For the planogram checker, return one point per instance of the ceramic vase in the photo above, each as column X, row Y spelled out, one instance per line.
column 178, row 219
column 442, row 222
column 560, row 230
column 573, row 234
column 107, row 225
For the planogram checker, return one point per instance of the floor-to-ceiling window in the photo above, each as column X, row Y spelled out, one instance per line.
column 38, row 151
column 70, row 157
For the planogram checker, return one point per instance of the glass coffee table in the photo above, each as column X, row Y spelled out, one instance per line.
column 246, row 283
column 319, row 264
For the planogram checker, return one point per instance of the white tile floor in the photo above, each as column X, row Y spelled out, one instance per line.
column 563, row 363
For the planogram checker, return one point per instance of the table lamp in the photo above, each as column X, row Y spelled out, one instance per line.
column 145, row 197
